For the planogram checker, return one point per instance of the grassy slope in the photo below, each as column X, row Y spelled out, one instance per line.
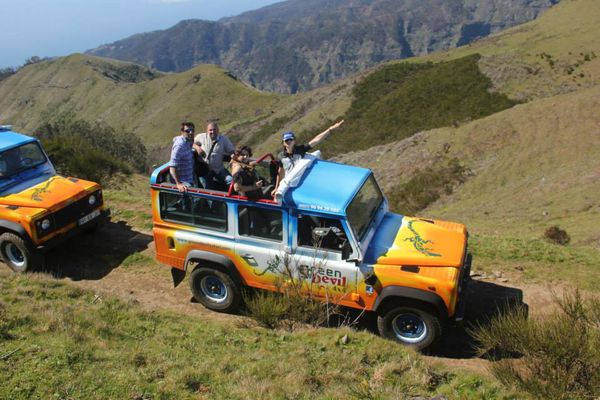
column 567, row 33
column 535, row 164
column 71, row 344
column 151, row 108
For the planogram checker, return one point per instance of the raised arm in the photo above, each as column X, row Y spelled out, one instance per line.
column 319, row 138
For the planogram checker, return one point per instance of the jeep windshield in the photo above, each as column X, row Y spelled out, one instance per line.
column 18, row 159
column 364, row 206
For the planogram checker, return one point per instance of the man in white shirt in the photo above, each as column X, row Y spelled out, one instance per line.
column 213, row 148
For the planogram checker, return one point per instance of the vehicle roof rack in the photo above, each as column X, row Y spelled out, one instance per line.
column 4, row 128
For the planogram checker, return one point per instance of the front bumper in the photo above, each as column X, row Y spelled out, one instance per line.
column 57, row 240
column 463, row 289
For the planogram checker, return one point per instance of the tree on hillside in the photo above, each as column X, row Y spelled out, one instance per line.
column 92, row 151
column 6, row 72
column 35, row 60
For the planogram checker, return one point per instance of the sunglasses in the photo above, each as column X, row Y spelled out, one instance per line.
column 188, row 130
column 288, row 140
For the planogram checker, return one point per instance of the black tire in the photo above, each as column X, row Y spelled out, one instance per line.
column 18, row 254
column 215, row 290
column 409, row 325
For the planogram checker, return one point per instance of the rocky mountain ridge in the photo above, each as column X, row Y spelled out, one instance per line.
column 298, row 45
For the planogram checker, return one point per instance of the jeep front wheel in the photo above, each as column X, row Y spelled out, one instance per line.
column 17, row 254
column 410, row 326
column 214, row 289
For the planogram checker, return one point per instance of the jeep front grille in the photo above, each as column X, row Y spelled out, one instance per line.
column 74, row 211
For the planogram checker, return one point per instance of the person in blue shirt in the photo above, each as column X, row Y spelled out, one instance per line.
column 181, row 164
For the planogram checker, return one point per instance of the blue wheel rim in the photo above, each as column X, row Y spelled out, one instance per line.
column 213, row 289
column 409, row 328
column 15, row 255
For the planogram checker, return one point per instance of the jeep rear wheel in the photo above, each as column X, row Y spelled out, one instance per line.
column 214, row 289
column 411, row 326
column 17, row 254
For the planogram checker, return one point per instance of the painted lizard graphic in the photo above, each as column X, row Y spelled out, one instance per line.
column 272, row 266
column 37, row 192
column 419, row 243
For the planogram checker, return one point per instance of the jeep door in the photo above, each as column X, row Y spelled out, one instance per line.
column 261, row 236
column 318, row 244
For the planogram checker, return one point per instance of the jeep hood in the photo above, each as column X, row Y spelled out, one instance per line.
column 48, row 193
column 413, row 241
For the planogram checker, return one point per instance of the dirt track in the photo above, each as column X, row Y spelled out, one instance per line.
column 149, row 284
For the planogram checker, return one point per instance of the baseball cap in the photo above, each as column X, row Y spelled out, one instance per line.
column 288, row 135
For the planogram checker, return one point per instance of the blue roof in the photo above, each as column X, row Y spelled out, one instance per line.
column 10, row 139
column 327, row 187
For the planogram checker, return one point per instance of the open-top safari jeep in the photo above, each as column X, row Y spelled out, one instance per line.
column 411, row 272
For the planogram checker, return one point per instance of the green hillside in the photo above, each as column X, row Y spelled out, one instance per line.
column 396, row 101
column 123, row 96
column 529, row 167
column 554, row 54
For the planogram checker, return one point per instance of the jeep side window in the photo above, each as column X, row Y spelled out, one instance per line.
column 210, row 213
column 260, row 222
column 193, row 210
column 331, row 237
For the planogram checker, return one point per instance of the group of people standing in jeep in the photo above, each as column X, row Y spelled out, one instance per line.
column 198, row 161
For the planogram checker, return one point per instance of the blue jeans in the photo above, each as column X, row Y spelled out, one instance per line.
column 217, row 180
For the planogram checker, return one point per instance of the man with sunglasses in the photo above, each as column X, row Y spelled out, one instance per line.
column 293, row 152
column 181, row 164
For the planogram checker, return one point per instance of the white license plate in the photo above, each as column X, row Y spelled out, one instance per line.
column 88, row 217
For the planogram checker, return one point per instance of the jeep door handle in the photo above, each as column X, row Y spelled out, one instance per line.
column 250, row 259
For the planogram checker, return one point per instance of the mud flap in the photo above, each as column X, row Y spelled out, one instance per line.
column 178, row 276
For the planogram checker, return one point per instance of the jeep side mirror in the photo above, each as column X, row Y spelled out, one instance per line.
column 346, row 250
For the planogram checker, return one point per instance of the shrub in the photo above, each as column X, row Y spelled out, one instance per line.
column 294, row 302
column 427, row 186
column 7, row 72
column 559, row 355
column 91, row 151
column 267, row 308
column 557, row 236
column 399, row 100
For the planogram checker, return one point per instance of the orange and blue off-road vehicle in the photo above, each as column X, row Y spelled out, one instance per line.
column 411, row 272
column 38, row 208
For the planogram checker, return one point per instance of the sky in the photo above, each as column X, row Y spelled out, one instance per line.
column 48, row 28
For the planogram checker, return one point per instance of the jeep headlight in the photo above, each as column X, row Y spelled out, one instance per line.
column 92, row 200
column 45, row 224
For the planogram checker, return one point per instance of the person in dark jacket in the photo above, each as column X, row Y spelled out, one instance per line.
column 293, row 152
